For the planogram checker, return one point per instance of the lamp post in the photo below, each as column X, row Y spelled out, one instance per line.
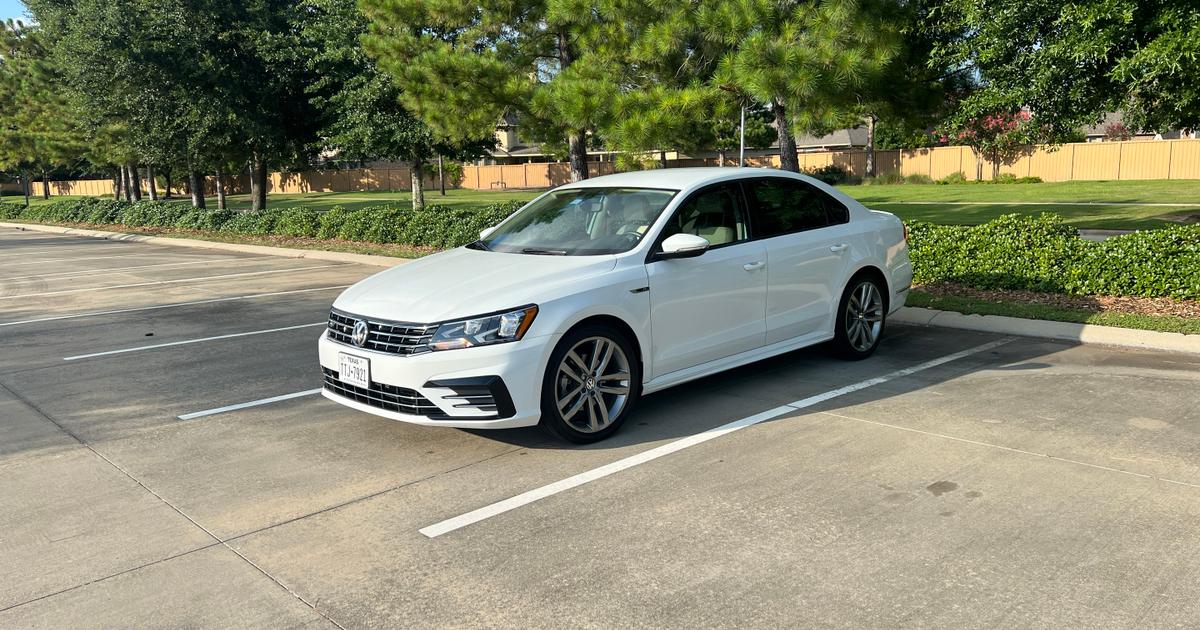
column 741, row 125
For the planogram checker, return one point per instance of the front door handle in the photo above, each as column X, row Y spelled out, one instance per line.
column 758, row 264
column 837, row 249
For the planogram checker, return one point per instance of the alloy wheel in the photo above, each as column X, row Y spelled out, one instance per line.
column 864, row 316
column 592, row 384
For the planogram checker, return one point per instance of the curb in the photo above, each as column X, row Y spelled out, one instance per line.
column 1064, row 331
column 288, row 252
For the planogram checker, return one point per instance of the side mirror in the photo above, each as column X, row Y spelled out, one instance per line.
column 682, row 246
column 483, row 234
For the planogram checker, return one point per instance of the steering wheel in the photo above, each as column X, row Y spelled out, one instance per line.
column 633, row 238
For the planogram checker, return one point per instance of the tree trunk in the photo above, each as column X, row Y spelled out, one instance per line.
column 870, row 168
column 167, row 181
column 151, row 185
column 577, row 152
column 258, row 183
column 25, row 188
column 788, row 160
column 221, row 201
column 45, row 186
column 441, row 176
column 662, row 158
column 135, row 182
column 196, row 185
column 978, row 165
column 418, row 184
column 577, row 139
column 721, row 157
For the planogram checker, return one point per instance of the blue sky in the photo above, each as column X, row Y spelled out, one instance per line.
column 12, row 9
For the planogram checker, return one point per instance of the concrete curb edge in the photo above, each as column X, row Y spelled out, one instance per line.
column 1065, row 331
column 314, row 254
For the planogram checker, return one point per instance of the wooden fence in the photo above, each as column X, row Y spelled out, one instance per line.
column 1158, row 159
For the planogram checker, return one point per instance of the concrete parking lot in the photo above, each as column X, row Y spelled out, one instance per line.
column 953, row 480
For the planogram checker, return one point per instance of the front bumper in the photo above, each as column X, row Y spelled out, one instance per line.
column 451, row 381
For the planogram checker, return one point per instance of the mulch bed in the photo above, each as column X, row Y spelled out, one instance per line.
column 1094, row 304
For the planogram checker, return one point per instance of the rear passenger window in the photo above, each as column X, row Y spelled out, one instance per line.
column 782, row 206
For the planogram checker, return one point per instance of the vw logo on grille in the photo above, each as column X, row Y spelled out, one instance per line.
column 359, row 336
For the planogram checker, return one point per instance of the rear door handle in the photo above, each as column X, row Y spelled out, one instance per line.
column 837, row 249
column 758, row 264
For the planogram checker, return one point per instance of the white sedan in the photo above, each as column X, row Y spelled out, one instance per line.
column 600, row 291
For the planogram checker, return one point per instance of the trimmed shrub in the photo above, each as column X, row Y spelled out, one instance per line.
column 330, row 222
column 918, row 178
column 10, row 211
column 1004, row 178
column 1044, row 254
column 297, row 222
column 956, row 177
column 831, row 174
column 207, row 220
column 151, row 214
column 253, row 222
column 1034, row 179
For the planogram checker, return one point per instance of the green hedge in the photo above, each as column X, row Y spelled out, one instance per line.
column 1044, row 254
column 1011, row 252
column 435, row 226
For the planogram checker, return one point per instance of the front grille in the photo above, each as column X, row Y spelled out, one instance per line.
column 389, row 337
column 380, row 396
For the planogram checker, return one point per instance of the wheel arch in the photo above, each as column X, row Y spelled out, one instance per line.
column 874, row 272
column 619, row 324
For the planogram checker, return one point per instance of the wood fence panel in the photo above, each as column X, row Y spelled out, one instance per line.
column 945, row 161
column 1097, row 161
column 1051, row 164
column 1185, row 159
column 1145, row 160
column 916, row 162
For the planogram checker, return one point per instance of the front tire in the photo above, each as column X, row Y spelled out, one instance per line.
column 592, row 383
column 861, row 315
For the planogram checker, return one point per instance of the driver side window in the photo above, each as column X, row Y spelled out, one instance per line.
column 716, row 214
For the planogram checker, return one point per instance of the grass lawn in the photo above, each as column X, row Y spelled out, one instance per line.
column 962, row 204
column 976, row 306
column 944, row 204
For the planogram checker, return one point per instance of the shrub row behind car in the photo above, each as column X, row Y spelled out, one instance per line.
column 1044, row 254
column 434, row 226
column 1012, row 252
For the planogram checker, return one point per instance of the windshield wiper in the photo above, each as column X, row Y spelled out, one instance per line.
column 544, row 252
column 479, row 245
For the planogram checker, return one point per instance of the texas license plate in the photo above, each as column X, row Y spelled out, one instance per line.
column 354, row 370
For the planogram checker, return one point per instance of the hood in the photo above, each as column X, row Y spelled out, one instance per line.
column 465, row 282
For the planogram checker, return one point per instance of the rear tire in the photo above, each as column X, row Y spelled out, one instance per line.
column 592, row 383
column 860, row 319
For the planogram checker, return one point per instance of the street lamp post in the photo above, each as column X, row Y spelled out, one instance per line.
column 742, row 139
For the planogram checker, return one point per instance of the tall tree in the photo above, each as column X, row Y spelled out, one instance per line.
column 1067, row 63
column 462, row 64
column 806, row 61
column 362, row 112
column 38, row 129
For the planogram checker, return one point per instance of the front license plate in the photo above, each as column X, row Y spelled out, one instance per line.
column 354, row 370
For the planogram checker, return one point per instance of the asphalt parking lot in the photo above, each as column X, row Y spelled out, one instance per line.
column 953, row 480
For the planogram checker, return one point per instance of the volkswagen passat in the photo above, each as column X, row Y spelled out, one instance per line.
column 598, row 292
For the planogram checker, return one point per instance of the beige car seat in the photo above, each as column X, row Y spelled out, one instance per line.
column 713, row 220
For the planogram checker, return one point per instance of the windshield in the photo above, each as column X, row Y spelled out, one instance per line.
column 580, row 222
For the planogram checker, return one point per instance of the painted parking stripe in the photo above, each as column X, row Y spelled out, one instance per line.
column 191, row 341
column 162, row 282
column 92, row 272
column 175, row 305
column 76, row 258
column 537, row 494
column 245, row 405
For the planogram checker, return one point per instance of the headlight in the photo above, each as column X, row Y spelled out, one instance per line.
column 485, row 330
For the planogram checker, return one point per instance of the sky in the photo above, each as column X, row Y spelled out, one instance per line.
column 12, row 9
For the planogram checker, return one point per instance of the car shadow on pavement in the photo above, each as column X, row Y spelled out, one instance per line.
column 716, row 400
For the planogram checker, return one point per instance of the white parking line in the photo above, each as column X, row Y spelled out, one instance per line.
column 537, row 494
column 91, row 272
column 253, row 403
column 175, row 305
column 176, row 281
column 74, row 258
column 191, row 341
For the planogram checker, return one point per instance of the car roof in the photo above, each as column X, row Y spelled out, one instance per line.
column 679, row 178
